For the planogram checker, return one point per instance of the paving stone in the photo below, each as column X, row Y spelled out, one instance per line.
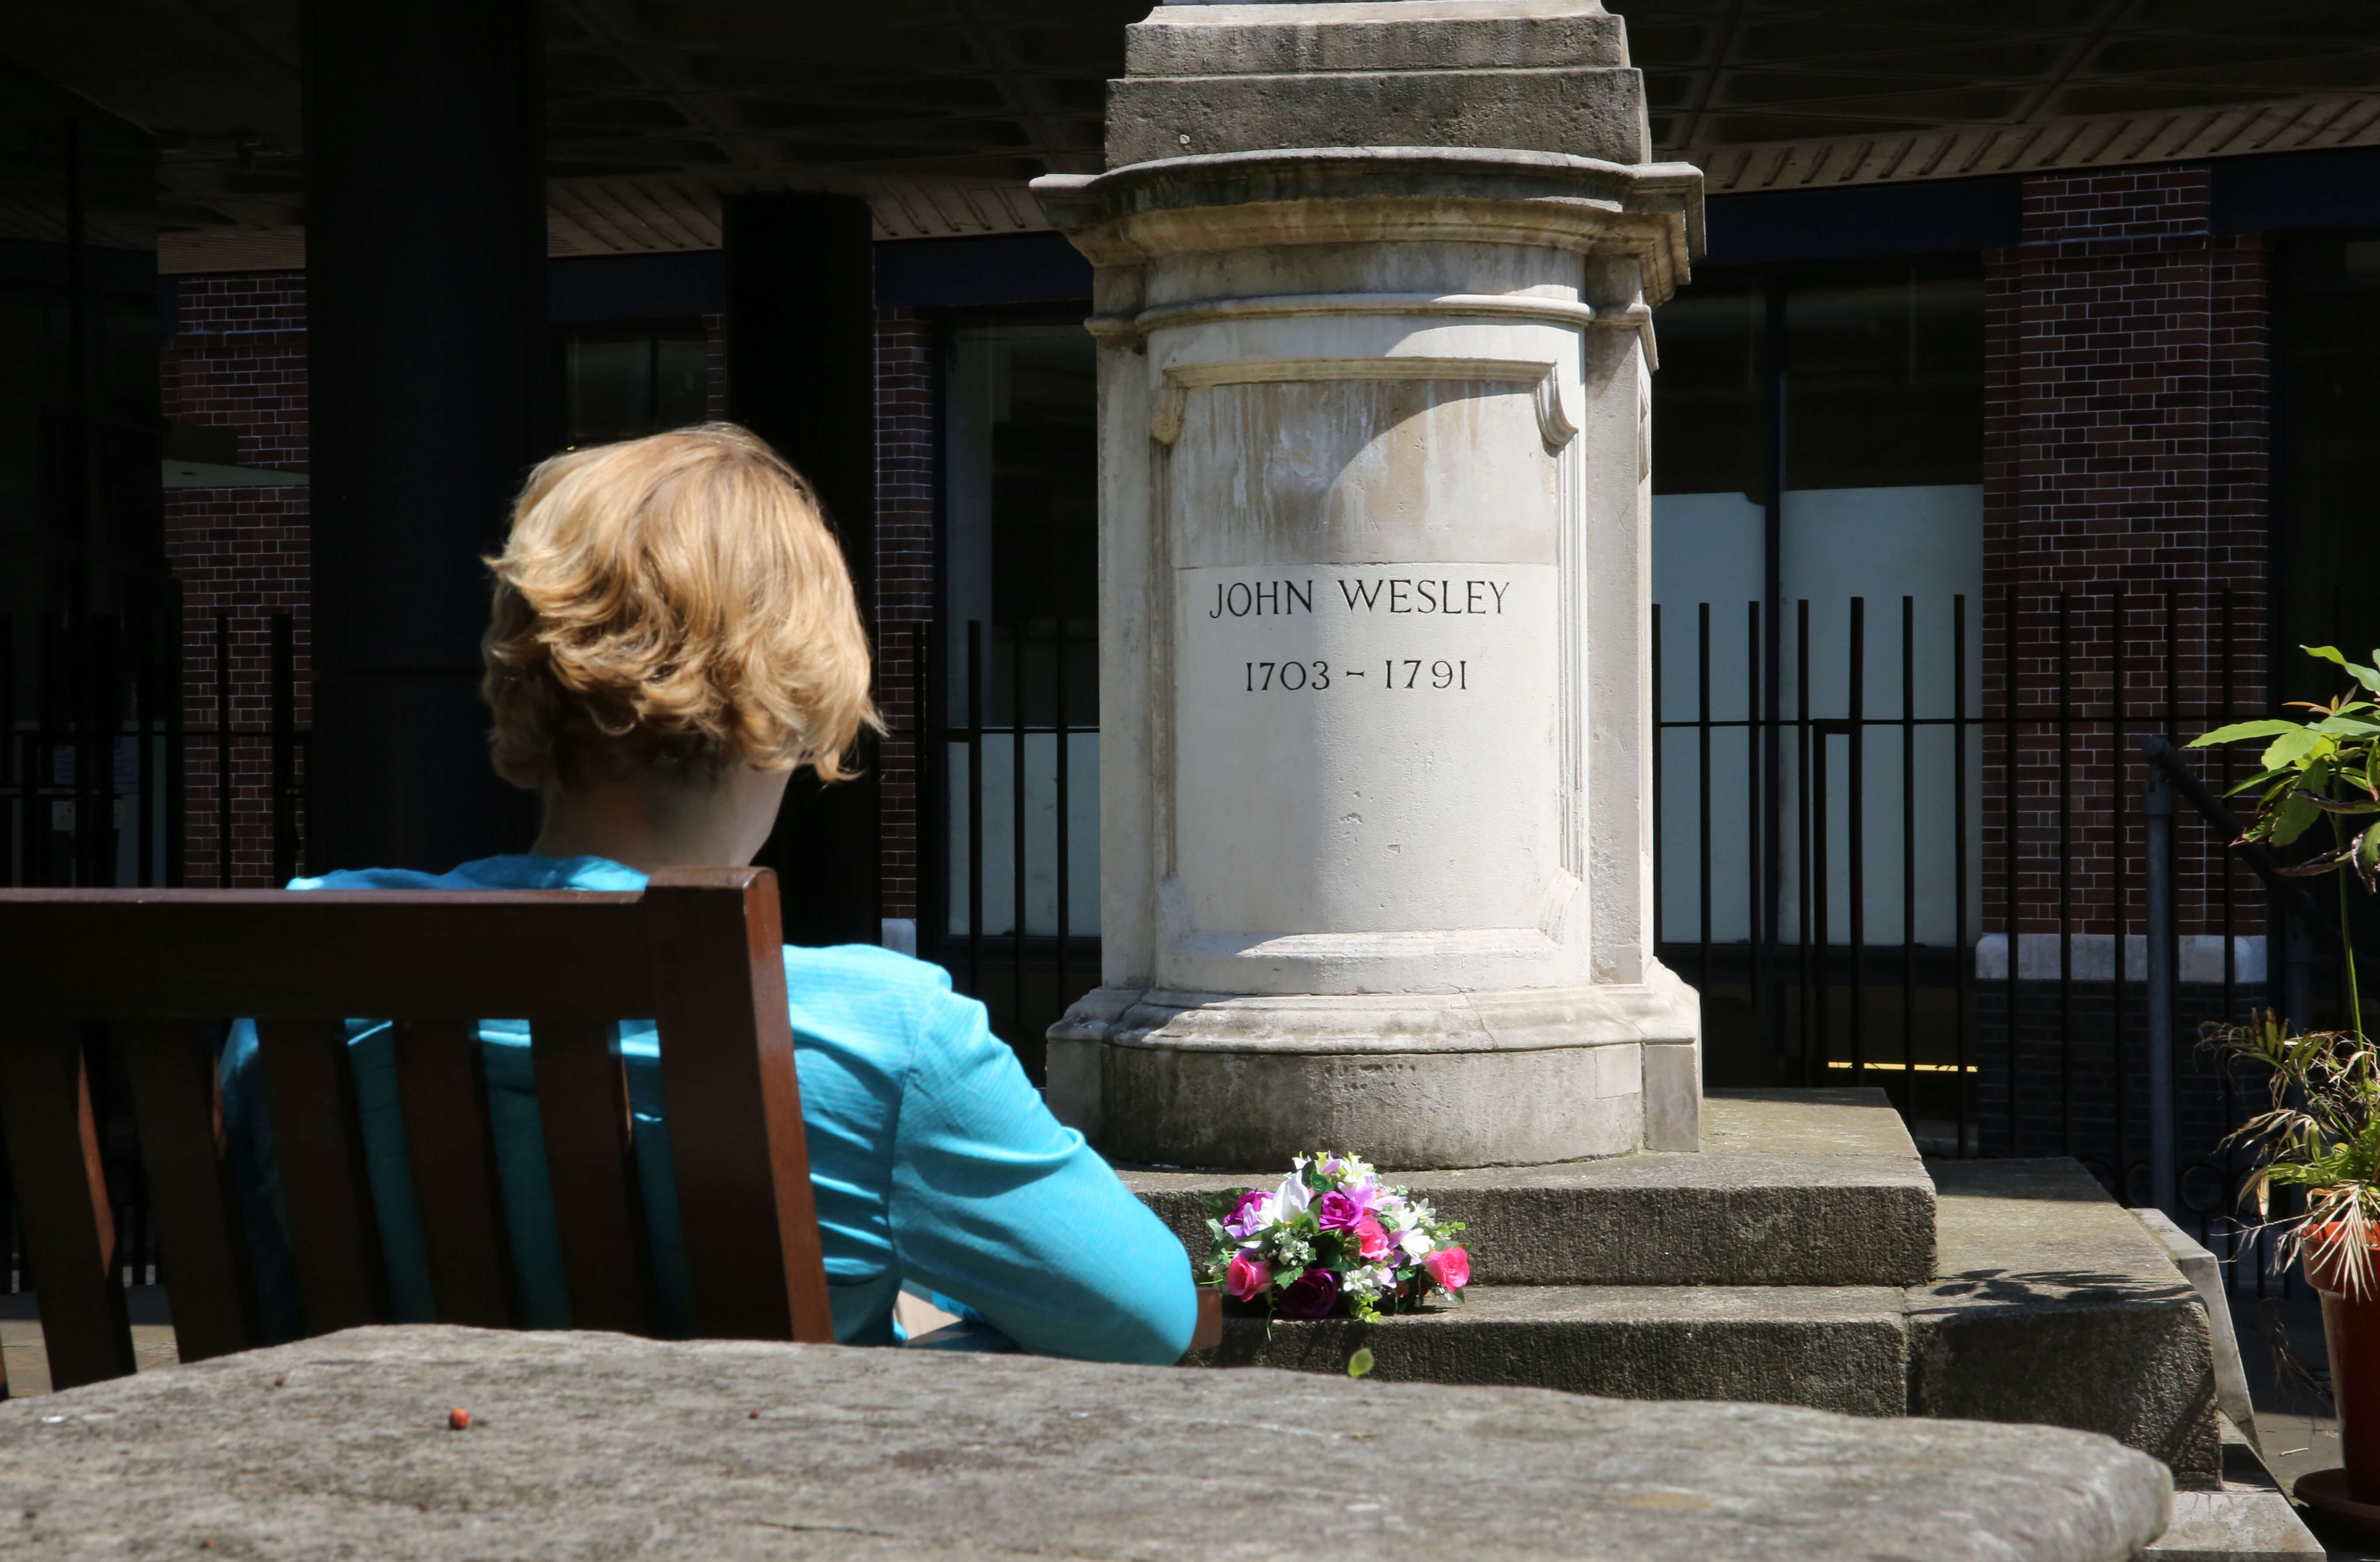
column 1835, row 1347
column 586, row 1445
column 2248, row 1521
column 2055, row 1305
column 1804, row 1187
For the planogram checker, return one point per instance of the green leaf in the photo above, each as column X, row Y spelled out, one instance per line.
column 2367, row 857
column 2356, row 805
column 2267, row 727
column 1220, row 1205
column 2291, row 746
column 2266, row 779
column 2292, row 818
column 2363, row 675
column 2346, row 724
column 1360, row 1362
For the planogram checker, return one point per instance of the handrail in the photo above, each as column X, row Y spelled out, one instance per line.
column 2258, row 857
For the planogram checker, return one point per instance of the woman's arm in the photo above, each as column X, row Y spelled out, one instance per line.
column 997, row 1205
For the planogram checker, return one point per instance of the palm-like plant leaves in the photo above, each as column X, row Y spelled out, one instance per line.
column 2322, row 1133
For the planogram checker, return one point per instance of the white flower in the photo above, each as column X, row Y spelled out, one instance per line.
column 1252, row 1220
column 1289, row 1200
column 1417, row 1244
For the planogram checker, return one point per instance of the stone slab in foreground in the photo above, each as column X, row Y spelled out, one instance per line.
column 587, row 1446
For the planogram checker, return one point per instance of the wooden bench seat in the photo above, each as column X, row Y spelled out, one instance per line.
column 154, row 973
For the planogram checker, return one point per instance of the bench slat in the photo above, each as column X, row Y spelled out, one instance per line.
column 69, row 1230
column 450, row 1140
column 178, row 1107
column 752, row 1252
column 582, row 1101
column 319, row 1144
column 213, row 954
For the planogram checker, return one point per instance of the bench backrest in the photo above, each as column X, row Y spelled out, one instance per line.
column 697, row 952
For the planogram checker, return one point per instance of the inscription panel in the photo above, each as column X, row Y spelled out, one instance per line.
column 1367, row 747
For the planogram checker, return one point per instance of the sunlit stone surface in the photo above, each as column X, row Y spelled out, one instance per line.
column 1375, row 684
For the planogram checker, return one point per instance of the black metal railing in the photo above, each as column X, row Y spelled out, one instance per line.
column 1880, row 872
column 1001, row 754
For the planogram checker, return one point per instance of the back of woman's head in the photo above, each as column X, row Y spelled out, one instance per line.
column 673, row 607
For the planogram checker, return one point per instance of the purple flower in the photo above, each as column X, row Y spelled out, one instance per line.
column 1335, row 1211
column 1311, row 1295
column 1250, row 1214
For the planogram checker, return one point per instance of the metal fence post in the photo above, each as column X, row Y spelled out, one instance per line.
column 2156, row 808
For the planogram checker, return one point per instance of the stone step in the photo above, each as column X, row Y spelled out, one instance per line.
column 1834, row 1347
column 2047, row 1304
column 2053, row 1304
column 1791, row 1188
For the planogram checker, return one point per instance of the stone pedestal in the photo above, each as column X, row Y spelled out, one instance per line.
column 1375, row 768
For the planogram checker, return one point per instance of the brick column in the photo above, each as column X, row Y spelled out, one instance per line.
column 238, row 360
column 2125, row 465
column 2124, row 512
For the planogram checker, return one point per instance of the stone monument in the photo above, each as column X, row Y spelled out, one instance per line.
column 1374, row 298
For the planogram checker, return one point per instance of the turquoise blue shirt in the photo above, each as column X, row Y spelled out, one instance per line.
column 933, row 1158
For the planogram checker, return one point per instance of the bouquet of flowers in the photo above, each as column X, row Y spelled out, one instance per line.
column 1330, row 1239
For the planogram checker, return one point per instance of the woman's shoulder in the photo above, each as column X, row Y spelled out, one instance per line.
column 863, row 991
column 519, row 870
column 384, row 878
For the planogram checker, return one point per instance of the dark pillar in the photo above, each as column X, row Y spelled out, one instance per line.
column 801, row 373
column 425, row 251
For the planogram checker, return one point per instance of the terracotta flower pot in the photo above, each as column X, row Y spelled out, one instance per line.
column 2350, row 1328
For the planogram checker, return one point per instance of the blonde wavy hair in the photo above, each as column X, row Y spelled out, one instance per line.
column 673, row 606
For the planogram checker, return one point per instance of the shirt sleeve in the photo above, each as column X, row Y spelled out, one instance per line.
column 997, row 1205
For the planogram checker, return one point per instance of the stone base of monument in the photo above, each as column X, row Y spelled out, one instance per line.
column 1805, row 1256
column 1525, row 1076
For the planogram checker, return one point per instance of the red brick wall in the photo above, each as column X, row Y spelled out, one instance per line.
column 238, row 360
column 904, row 583
column 2125, row 468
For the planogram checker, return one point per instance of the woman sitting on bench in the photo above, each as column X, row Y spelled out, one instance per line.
column 674, row 635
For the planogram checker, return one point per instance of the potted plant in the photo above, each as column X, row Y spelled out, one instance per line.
column 2321, row 1132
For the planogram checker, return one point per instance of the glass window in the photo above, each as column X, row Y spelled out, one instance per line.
column 619, row 382
column 2330, row 403
column 1880, row 371
column 1885, row 381
column 1020, row 656
column 1711, row 392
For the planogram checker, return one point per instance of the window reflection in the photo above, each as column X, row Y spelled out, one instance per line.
column 1880, row 368
column 2330, row 403
column 621, row 382
column 1020, row 537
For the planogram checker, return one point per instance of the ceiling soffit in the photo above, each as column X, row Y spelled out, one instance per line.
column 938, row 110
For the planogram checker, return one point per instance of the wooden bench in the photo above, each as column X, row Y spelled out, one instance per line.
column 696, row 951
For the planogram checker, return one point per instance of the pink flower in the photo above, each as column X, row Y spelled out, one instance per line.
column 1247, row 1277
column 1371, row 1238
column 1450, row 1266
column 1334, row 1211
